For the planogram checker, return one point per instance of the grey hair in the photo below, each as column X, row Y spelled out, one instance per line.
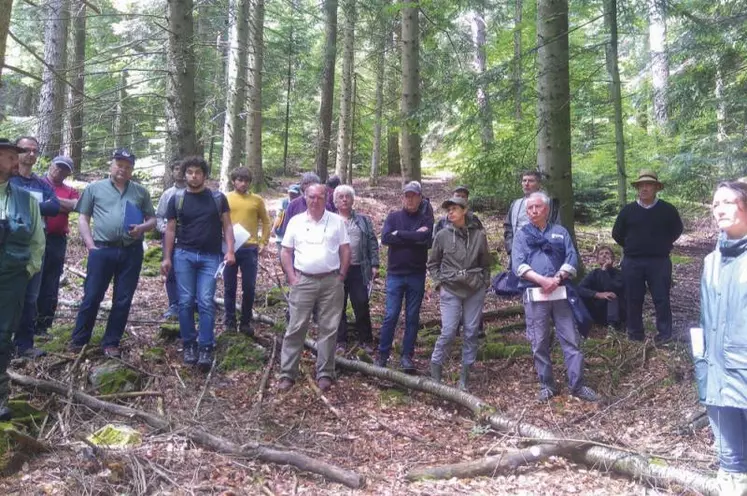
column 308, row 178
column 343, row 190
column 323, row 187
column 542, row 196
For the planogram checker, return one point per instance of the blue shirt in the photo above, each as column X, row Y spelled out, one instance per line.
column 528, row 254
column 49, row 205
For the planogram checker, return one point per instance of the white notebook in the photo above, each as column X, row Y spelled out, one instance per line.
column 536, row 294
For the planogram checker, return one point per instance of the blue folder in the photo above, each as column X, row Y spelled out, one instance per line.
column 132, row 215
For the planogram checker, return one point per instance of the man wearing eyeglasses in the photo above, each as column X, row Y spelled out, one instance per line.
column 315, row 257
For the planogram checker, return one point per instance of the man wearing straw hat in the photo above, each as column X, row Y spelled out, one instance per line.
column 646, row 229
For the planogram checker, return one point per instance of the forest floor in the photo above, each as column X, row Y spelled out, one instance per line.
column 383, row 430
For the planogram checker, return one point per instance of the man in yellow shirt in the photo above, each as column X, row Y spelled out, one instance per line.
column 21, row 248
column 247, row 210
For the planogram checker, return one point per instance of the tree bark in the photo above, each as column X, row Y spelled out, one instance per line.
column 252, row 449
column 626, row 463
column 480, row 64
column 254, row 73
column 288, row 82
column 394, row 161
column 379, row 97
column 610, row 19
column 410, row 105
column 51, row 111
column 554, row 106
column 346, row 90
column 518, row 11
column 233, row 127
column 721, row 133
column 119, row 129
column 180, row 85
column 327, row 89
column 78, row 69
column 5, row 8
column 657, row 28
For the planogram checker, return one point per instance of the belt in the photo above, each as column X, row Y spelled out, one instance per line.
column 320, row 275
column 110, row 244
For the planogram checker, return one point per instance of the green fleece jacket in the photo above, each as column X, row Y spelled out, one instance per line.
column 459, row 260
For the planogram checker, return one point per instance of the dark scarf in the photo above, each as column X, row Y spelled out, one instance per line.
column 535, row 240
column 731, row 248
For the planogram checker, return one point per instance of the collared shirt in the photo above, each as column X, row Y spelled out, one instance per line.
column 38, row 241
column 355, row 235
column 104, row 203
column 249, row 210
column 58, row 225
column 653, row 204
column 49, row 206
column 163, row 203
column 316, row 245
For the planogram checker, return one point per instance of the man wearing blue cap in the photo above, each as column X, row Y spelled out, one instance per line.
column 21, row 248
column 122, row 212
column 57, row 231
column 49, row 206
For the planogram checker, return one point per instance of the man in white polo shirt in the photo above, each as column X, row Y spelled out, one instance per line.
column 315, row 257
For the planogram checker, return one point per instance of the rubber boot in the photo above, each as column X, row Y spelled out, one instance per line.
column 436, row 370
column 731, row 484
column 464, row 378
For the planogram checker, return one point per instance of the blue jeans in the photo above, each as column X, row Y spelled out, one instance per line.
column 23, row 337
column 246, row 260
column 105, row 263
column 172, row 291
column 54, row 262
column 411, row 287
column 195, row 277
column 729, row 427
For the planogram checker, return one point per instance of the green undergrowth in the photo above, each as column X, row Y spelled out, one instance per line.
column 680, row 259
column 60, row 338
column 238, row 352
column 498, row 350
column 155, row 354
column 152, row 262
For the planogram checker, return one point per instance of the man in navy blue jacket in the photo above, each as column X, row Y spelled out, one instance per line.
column 408, row 234
column 49, row 206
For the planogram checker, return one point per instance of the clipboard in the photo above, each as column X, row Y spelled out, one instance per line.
column 133, row 216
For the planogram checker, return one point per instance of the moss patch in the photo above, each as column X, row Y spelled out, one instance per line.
column 168, row 331
column 238, row 352
column 152, row 262
column 393, row 397
column 60, row 338
column 112, row 377
column 155, row 354
column 680, row 259
column 489, row 351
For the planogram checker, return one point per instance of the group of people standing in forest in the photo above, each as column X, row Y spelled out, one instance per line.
column 329, row 252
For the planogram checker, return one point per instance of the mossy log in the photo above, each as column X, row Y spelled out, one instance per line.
column 511, row 311
column 251, row 449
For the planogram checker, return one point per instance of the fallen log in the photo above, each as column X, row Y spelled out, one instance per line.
column 490, row 465
column 511, row 311
column 198, row 436
column 636, row 466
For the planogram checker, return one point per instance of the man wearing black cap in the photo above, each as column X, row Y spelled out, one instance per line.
column 54, row 252
column 49, row 206
column 122, row 212
column 21, row 249
column 458, row 192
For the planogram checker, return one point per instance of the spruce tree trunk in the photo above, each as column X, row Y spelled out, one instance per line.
column 657, row 26
column 610, row 19
column 233, row 127
column 288, row 83
column 518, row 6
column 379, row 105
column 553, row 106
column 394, row 162
column 346, row 90
column 254, row 73
column 327, row 89
column 5, row 8
column 721, row 133
column 410, row 105
column 78, row 69
column 180, row 87
column 120, row 114
column 480, row 64
column 51, row 111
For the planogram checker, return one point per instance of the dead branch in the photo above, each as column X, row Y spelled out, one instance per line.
column 75, row 271
column 266, row 373
column 204, row 389
column 489, row 466
column 32, row 445
column 131, row 394
column 263, row 453
column 319, row 394
column 603, row 458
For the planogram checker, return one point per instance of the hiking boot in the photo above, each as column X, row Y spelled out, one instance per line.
column 5, row 413
column 247, row 330
column 74, row 348
column 324, row 383
column 407, row 365
column 546, row 393
column 112, row 352
column 205, row 358
column 367, row 347
column 585, row 393
column 285, row 384
column 660, row 340
column 381, row 361
column 636, row 337
column 43, row 335
column 32, row 353
column 436, row 371
column 340, row 349
column 230, row 326
column 190, row 353
column 171, row 314
column 464, row 378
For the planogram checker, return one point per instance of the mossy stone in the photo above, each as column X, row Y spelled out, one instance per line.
column 113, row 377
column 239, row 352
column 168, row 331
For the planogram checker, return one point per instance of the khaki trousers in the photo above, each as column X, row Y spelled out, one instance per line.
column 326, row 293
